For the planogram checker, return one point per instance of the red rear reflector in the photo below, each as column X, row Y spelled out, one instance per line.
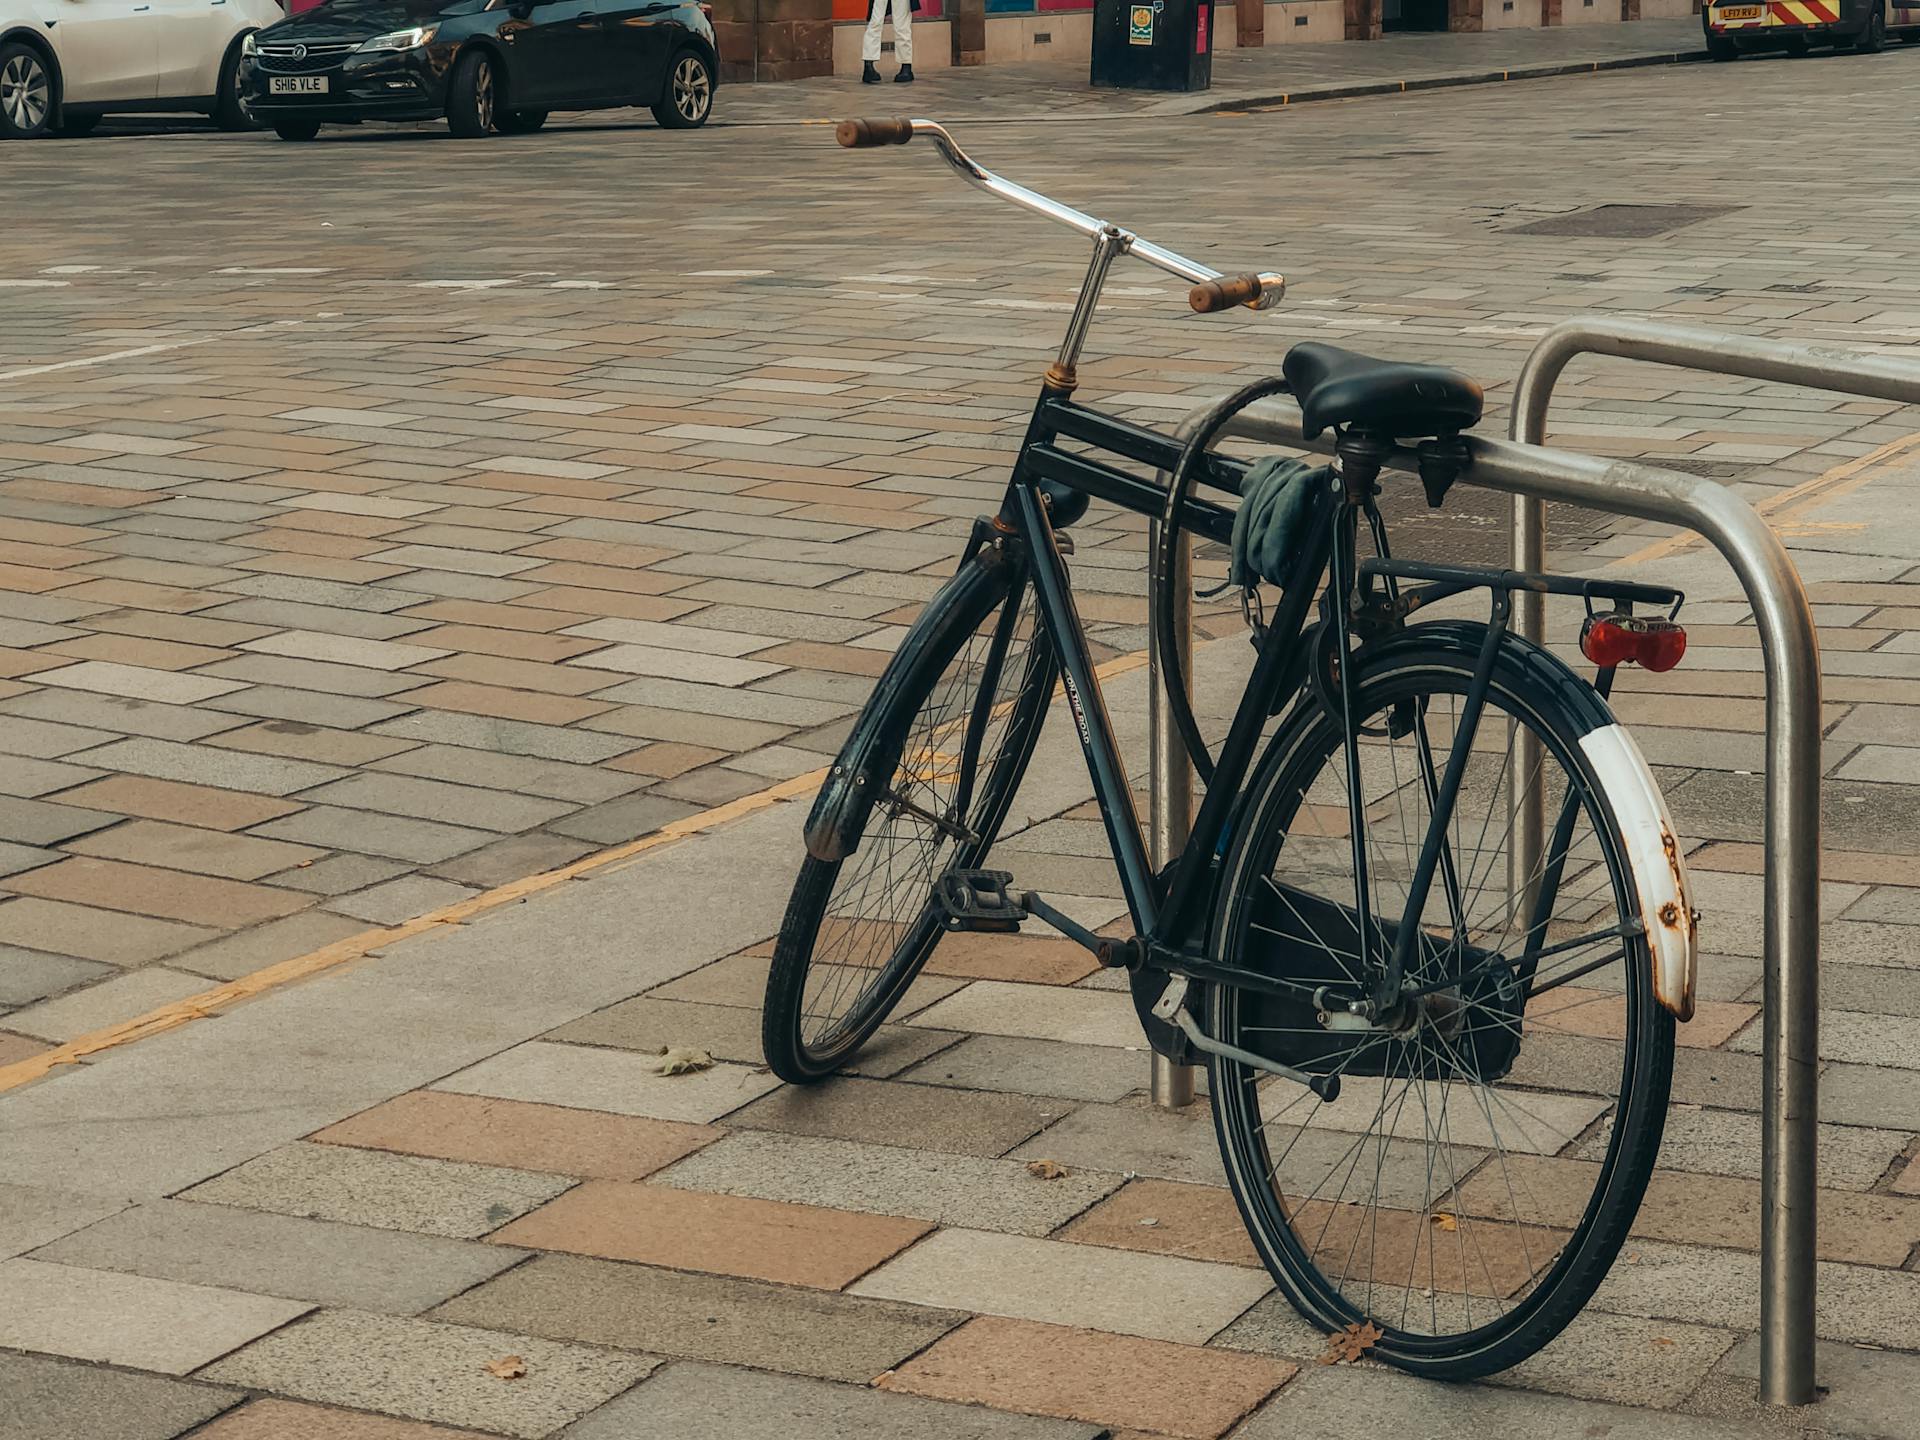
column 1613, row 640
column 1662, row 643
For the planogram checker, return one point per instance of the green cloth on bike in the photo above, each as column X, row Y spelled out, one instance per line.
column 1274, row 510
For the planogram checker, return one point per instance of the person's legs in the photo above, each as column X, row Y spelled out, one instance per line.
column 870, row 42
column 902, row 29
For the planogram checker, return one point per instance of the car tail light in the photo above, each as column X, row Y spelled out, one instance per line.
column 1614, row 639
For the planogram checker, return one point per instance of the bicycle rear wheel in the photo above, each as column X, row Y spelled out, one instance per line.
column 1468, row 1189
column 859, row 929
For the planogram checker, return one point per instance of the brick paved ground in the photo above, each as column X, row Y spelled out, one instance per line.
column 376, row 563
column 445, row 541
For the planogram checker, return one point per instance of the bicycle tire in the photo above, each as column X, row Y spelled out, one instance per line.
column 1288, row 803
column 925, row 710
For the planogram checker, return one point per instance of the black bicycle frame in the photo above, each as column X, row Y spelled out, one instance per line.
column 1170, row 910
column 1167, row 910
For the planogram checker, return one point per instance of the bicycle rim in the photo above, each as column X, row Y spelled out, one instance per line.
column 863, row 927
column 1460, row 1195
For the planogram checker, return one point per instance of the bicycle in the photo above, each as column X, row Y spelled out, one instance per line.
column 1351, row 940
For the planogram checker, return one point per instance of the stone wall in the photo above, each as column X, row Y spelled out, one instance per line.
column 774, row 39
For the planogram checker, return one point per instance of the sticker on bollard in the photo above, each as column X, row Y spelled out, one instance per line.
column 1152, row 44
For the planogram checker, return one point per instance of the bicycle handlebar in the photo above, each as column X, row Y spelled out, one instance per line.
column 1212, row 295
column 1267, row 287
column 862, row 134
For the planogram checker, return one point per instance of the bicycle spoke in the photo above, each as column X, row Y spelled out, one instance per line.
column 1417, row 1198
column 877, row 918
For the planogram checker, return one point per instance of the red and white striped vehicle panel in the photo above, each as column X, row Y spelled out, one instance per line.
column 1794, row 14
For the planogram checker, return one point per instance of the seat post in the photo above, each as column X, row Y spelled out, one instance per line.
column 1358, row 456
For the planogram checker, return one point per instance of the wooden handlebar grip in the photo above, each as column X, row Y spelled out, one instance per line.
column 863, row 134
column 1212, row 295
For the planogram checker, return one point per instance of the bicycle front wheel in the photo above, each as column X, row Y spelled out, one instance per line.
column 859, row 929
column 1491, row 1142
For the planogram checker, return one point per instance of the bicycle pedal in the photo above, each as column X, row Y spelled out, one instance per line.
column 978, row 900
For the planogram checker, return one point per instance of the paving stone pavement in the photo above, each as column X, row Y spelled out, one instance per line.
column 402, row 570
column 427, row 560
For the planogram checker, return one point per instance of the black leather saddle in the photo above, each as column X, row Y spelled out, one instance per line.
column 1338, row 387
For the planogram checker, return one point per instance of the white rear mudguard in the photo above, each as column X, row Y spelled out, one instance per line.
column 1653, row 855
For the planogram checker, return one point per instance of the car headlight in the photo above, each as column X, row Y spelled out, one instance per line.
column 400, row 39
column 247, row 45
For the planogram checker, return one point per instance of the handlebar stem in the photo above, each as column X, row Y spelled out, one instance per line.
column 1109, row 243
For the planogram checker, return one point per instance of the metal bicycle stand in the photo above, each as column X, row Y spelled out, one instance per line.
column 1170, row 771
column 1534, row 474
column 1791, row 916
column 1170, row 793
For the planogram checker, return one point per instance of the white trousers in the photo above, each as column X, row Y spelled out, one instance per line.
column 902, row 30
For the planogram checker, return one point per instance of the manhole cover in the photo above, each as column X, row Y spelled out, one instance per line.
column 1625, row 222
column 1711, row 469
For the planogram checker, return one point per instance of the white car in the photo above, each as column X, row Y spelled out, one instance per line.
column 65, row 63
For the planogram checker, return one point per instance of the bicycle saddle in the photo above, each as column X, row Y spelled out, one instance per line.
column 1338, row 387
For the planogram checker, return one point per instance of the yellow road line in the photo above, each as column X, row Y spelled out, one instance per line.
column 209, row 1003
column 1787, row 507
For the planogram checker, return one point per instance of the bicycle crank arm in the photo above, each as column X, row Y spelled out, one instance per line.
column 1172, row 1007
column 1069, row 927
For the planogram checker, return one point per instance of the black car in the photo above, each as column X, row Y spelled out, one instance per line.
column 487, row 65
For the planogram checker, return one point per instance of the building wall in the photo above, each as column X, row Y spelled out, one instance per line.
column 1063, row 30
column 1511, row 14
column 1589, row 12
column 1026, row 30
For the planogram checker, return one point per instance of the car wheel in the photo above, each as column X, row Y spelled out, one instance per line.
column 521, row 122
column 688, row 98
column 296, row 129
column 229, row 112
column 473, row 94
column 1873, row 39
column 74, row 126
column 26, row 93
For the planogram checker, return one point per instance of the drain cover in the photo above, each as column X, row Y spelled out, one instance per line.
column 1625, row 222
column 1711, row 469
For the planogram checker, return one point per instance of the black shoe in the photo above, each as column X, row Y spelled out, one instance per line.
column 869, row 75
column 905, row 77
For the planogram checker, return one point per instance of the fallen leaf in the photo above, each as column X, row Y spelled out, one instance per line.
column 1662, row 1340
column 1441, row 1220
column 1047, row 1170
column 1348, row 1345
column 678, row 1061
column 507, row 1367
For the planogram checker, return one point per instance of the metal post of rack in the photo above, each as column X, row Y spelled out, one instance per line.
column 1785, row 621
column 1791, row 914
column 1170, row 771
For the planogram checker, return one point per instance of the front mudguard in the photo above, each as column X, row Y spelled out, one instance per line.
column 859, row 773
